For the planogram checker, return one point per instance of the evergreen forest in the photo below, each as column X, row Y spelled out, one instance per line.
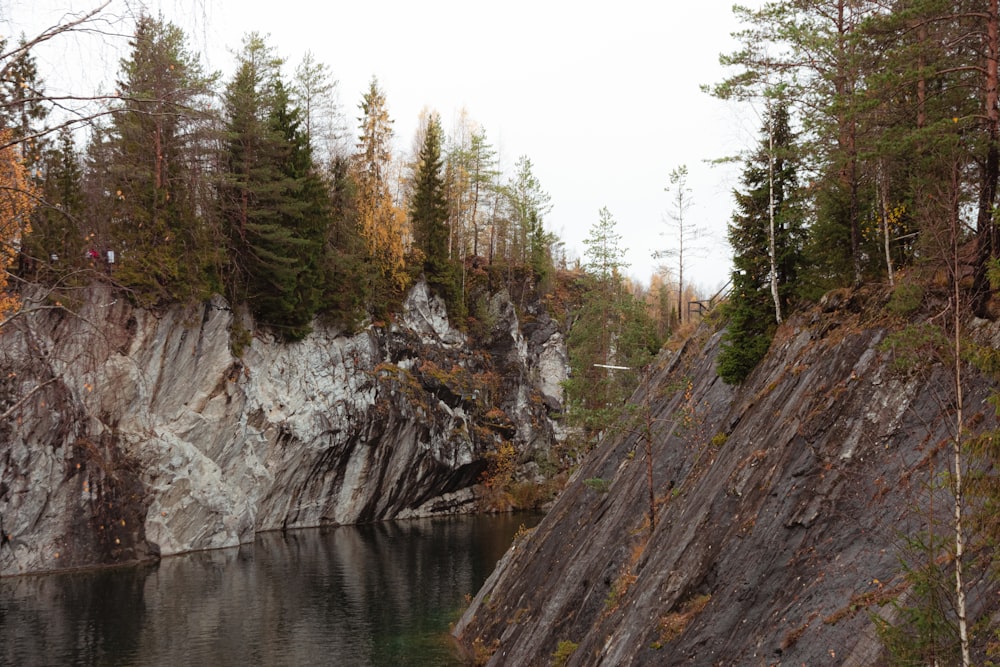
column 874, row 171
column 877, row 157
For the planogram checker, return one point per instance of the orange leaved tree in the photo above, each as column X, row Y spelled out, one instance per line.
column 17, row 199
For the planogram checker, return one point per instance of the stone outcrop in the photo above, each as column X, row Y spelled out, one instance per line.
column 129, row 434
column 779, row 508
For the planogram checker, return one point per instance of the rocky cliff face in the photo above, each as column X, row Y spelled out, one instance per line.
column 780, row 508
column 127, row 434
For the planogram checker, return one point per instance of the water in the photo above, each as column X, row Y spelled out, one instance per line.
column 380, row 594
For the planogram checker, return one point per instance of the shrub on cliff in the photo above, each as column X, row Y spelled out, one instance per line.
column 746, row 339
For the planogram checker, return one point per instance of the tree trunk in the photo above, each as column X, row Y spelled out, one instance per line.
column 957, row 491
column 848, row 131
column 475, row 225
column 853, row 208
column 883, row 199
column 772, row 249
column 987, row 232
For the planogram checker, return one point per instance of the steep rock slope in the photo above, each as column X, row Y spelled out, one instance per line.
column 128, row 434
column 779, row 512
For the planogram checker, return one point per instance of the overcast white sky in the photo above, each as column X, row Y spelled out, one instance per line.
column 602, row 97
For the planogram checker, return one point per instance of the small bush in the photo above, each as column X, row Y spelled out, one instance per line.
column 619, row 588
column 741, row 351
column 906, row 299
column 531, row 495
column 239, row 338
column 915, row 349
column 563, row 652
column 522, row 533
column 497, row 480
column 482, row 652
column 598, row 484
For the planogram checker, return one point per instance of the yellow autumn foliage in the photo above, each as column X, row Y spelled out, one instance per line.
column 17, row 200
column 893, row 224
column 381, row 223
column 383, row 227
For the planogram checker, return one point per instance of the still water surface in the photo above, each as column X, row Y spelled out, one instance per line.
column 380, row 594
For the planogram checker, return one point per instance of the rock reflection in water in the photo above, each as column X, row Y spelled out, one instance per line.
column 380, row 594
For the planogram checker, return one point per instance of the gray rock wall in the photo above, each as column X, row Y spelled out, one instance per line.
column 129, row 434
column 780, row 508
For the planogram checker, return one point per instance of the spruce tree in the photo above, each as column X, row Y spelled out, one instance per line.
column 56, row 238
column 540, row 248
column 22, row 106
column 293, row 213
column 344, row 252
column 769, row 181
column 274, row 204
column 98, row 181
column 429, row 217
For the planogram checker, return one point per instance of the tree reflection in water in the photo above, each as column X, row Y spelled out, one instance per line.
column 378, row 594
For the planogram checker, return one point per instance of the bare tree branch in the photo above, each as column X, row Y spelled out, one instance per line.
column 11, row 57
column 25, row 398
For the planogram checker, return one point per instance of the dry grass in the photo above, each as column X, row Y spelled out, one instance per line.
column 482, row 652
column 680, row 336
column 673, row 625
column 860, row 601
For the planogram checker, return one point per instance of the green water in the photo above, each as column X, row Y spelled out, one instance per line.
column 379, row 594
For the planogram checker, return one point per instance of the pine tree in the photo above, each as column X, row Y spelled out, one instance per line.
column 683, row 233
column 459, row 189
column 766, row 235
column 471, row 177
column 605, row 256
column 162, row 247
column 939, row 65
column 811, row 51
column 528, row 205
column 612, row 336
column 314, row 93
column 483, row 174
